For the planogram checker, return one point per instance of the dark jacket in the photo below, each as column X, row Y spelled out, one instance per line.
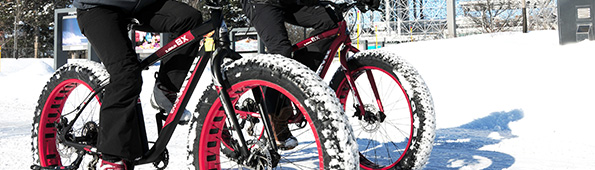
column 129, row 6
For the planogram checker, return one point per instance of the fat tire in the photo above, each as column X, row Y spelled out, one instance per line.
column 85, row 73
column 335, row 134
column 419, row 97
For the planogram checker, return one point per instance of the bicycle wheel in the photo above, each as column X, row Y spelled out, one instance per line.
column 397, row 129
column 58, row 103
column 326, row 140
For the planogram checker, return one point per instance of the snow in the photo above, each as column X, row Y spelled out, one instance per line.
column 503, row 101
column 534, row 93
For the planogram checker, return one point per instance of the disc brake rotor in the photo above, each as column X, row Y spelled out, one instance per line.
column 371, row 121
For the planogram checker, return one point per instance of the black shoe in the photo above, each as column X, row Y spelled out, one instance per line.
column 163, row 99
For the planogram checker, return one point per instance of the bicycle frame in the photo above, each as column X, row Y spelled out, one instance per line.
column 215, row 46
column 341, row 46
column 187, row 88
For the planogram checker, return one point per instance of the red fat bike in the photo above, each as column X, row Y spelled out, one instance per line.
column 391, row 108
column 389, row 105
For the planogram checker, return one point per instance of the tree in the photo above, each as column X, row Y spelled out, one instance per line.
column 493, row 15
column 542, row 15
column 6, row 23
column 34, row 27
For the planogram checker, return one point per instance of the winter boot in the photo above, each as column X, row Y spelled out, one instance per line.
column 285, row 140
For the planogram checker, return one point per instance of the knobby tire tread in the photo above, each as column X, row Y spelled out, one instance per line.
column 91, row 73
column 326, row 111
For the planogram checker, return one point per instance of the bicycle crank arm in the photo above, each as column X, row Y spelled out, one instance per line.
column 37, row 167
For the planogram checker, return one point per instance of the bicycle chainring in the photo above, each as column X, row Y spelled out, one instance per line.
column 90, row 133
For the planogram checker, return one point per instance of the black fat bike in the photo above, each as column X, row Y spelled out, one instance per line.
column 234, row 132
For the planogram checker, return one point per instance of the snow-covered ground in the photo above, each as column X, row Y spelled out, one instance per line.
column 503, row 101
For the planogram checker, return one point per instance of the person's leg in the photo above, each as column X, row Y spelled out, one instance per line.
column 270, row 26
column 119, row 134
column 177, row 18
column 319, row 18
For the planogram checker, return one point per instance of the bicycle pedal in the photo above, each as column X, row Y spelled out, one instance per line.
column 184, row 120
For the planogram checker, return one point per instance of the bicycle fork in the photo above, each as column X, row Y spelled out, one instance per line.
column 223, row 87
column 359, row 105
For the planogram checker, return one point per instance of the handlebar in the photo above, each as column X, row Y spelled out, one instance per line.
column 340, row 8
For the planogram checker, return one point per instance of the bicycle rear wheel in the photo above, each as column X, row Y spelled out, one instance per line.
column 397, row 130
column 60, row 99
column 326, row 140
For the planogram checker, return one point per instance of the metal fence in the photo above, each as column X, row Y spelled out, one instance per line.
column 7, row 52
column 415, row 20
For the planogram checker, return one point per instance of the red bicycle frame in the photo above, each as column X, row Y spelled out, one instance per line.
column 341, row 45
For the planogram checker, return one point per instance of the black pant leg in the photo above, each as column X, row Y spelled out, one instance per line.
column 269, row 23
column 319, row 18
column 119, row 133
column 177, row 18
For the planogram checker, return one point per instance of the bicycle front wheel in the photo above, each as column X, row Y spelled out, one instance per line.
column 70, row 88
column 325, row 138
column 396, row 128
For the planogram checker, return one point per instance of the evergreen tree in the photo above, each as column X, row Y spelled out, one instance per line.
column 6, row 25
column 34, row 26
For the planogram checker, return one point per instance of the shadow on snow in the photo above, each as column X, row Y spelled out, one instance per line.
column 460, row 146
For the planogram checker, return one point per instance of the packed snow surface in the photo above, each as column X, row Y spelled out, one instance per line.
column 503, row 101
